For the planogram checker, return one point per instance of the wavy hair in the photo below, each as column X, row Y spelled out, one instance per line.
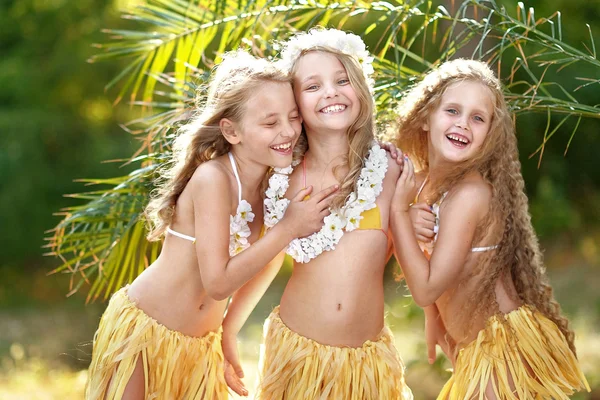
column 233, row 82
column 518, row 257
column 360, row 133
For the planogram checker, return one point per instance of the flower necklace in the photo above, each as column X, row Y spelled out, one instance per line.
column 347, row 218
column 239, row 231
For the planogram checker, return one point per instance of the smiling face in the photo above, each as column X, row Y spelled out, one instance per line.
column 270, row 126
column 325, row 97
column 458, row 126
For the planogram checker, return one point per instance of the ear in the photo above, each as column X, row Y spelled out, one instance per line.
column 425, row 126
column 229, row 131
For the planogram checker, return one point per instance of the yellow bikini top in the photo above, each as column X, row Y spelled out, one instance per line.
column 371, row 219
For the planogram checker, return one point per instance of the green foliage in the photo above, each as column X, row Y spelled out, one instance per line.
column 179, row 41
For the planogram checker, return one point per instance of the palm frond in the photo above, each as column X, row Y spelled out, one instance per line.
column 102, row 243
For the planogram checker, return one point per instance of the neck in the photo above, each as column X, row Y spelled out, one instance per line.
column 251, row 173
column 324, row 150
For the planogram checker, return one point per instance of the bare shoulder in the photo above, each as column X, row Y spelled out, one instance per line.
column 471, row 194
column 210, row 177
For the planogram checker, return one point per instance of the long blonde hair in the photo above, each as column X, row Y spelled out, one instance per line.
column 518, row 257
column 360, row 133
column 233, row 82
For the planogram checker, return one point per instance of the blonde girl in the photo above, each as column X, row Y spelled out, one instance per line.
column 160, row 337
column 483, row 271
column 327, row 339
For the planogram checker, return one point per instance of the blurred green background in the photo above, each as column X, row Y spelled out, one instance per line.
column 57, row 124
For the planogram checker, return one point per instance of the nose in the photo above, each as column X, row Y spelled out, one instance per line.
column 462, row 123
column 330, row 91
column 288, row 130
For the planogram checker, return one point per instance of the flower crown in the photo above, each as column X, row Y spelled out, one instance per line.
column 346, row 43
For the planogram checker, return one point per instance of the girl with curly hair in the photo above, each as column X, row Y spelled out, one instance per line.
column 482, row 271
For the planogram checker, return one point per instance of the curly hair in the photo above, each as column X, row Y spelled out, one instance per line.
column 233, row 82
column 360, row 133
column 518, row 257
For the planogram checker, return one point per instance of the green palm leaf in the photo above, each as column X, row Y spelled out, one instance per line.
column 102, row 242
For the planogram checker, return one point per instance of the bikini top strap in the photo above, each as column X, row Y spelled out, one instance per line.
column 421, row 188
column 237, row 177
column 304, row 172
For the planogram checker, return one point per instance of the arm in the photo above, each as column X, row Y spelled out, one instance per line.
column 242, row 304
column 222, row 275
column 427, row 280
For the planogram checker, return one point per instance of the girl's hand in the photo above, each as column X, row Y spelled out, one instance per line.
column 423, row 221
column 305, row 217
column 394, row 151
column 233, row 369
column 436, row 335
column 406, row 187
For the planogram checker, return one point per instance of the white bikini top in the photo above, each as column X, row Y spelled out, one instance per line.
column 435, row 209
column 238, row 224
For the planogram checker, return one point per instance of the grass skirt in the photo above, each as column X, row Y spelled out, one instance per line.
column 175, row 366
column 294, row 367
column 501, row 354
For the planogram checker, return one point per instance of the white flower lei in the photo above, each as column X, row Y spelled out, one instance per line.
column 369, row 186
column 239, row 231
column 347, row 43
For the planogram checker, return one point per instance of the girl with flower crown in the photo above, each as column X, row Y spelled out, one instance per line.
column 160, row 337
column 327, row 339
column 482, row 269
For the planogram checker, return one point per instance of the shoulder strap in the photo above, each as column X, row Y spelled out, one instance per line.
column 237, row 177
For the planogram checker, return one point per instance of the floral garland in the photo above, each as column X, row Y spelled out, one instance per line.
column 346, row 43
column 369, row 186
column 239, row 231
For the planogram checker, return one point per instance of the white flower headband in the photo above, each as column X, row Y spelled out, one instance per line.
column 347, row 43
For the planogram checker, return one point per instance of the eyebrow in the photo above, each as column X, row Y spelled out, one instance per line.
column 269, row 115
column 478, row 110
column 338, row 72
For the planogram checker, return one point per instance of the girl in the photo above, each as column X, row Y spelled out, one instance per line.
column 483, row 270
column 161, row 336
column 327, row 339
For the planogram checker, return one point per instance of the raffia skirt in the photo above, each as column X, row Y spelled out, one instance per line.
column 175, row 366
column 294, row 367
column 524, row 357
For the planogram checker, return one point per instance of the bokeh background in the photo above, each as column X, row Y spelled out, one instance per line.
column 57, row 125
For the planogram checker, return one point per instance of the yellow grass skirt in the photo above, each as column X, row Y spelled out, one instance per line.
column 553, row 372
column 294, row 367
column 175, row 366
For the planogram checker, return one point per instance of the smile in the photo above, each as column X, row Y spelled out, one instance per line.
column 283, row 147
column 334, row 108
column 458, row 140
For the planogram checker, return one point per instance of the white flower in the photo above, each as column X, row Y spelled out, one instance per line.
column 347, row 43
column 244, row 210
column 353, row 218
column 369, row 186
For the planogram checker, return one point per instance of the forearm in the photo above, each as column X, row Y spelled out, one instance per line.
column 248, row 296
column 415, row 266
column 245, row 265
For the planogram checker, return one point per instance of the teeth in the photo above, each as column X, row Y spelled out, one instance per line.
column 458, row 139
column 333, row 108
column 283, row 146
